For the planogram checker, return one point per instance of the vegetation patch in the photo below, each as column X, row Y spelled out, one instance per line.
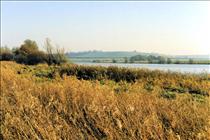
column 199, row 98
column 168, row 95
column 29, row 53
column 91, row 104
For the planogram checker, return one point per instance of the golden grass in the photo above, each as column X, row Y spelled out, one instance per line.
column 34, row 107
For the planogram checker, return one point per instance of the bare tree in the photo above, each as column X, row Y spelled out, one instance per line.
column 49, row 50
column 60, row 53
column 55, row 55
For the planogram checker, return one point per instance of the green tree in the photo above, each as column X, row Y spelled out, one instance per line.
column 191, row 61
column 29, row 53
column 114, row 61
column 169, row 61
column 125, row 60
column 177, row 62
column 36, row 57
column 132, row 60
column 28, row 47
column 161, row 59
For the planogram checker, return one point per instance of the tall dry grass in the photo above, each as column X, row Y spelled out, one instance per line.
column 36, row 106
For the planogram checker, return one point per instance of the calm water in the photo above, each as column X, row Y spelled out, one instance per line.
column 184, row 68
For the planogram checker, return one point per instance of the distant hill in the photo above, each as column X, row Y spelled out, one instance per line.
column 204, row 57
column 121, row 54
column 106, row 54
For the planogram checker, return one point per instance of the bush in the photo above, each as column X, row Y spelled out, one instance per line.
column 36, row 58
column 29, row 53
column 6, row 54
column 168, row 95
column 21, row 59
column 56, row 59
column 54, row 56
column 32, row 58
column 28, row 47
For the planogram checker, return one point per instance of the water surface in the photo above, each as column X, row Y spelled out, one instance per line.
column 184, row 68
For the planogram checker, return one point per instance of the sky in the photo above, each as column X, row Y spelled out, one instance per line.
column 181, row 28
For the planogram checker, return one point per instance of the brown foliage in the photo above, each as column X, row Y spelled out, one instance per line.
column 34, row 107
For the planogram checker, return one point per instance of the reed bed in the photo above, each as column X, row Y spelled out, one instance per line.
column 78, row 102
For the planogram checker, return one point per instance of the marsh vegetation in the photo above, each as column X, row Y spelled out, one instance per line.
column 80, row 102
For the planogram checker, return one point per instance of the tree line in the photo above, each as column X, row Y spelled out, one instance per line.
column 151, row 59
column 157, row 59
column 29, row 53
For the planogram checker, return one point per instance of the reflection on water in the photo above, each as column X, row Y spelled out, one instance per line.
column 188, row 68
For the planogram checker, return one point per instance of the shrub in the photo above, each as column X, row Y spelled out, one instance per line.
column 36, row 58
column 6, row 54
column 54, row 56
column 168, row 95
column 29, row 53
column 199, row 98
column 21, row 59
column 32, row 58
column 28, row 47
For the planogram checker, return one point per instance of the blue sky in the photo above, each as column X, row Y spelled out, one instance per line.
column 162, row 27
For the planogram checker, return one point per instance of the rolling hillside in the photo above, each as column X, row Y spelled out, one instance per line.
column 120, row 54
column 106, row 54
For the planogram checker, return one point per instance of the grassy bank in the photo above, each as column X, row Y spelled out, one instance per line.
column 78, row 102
